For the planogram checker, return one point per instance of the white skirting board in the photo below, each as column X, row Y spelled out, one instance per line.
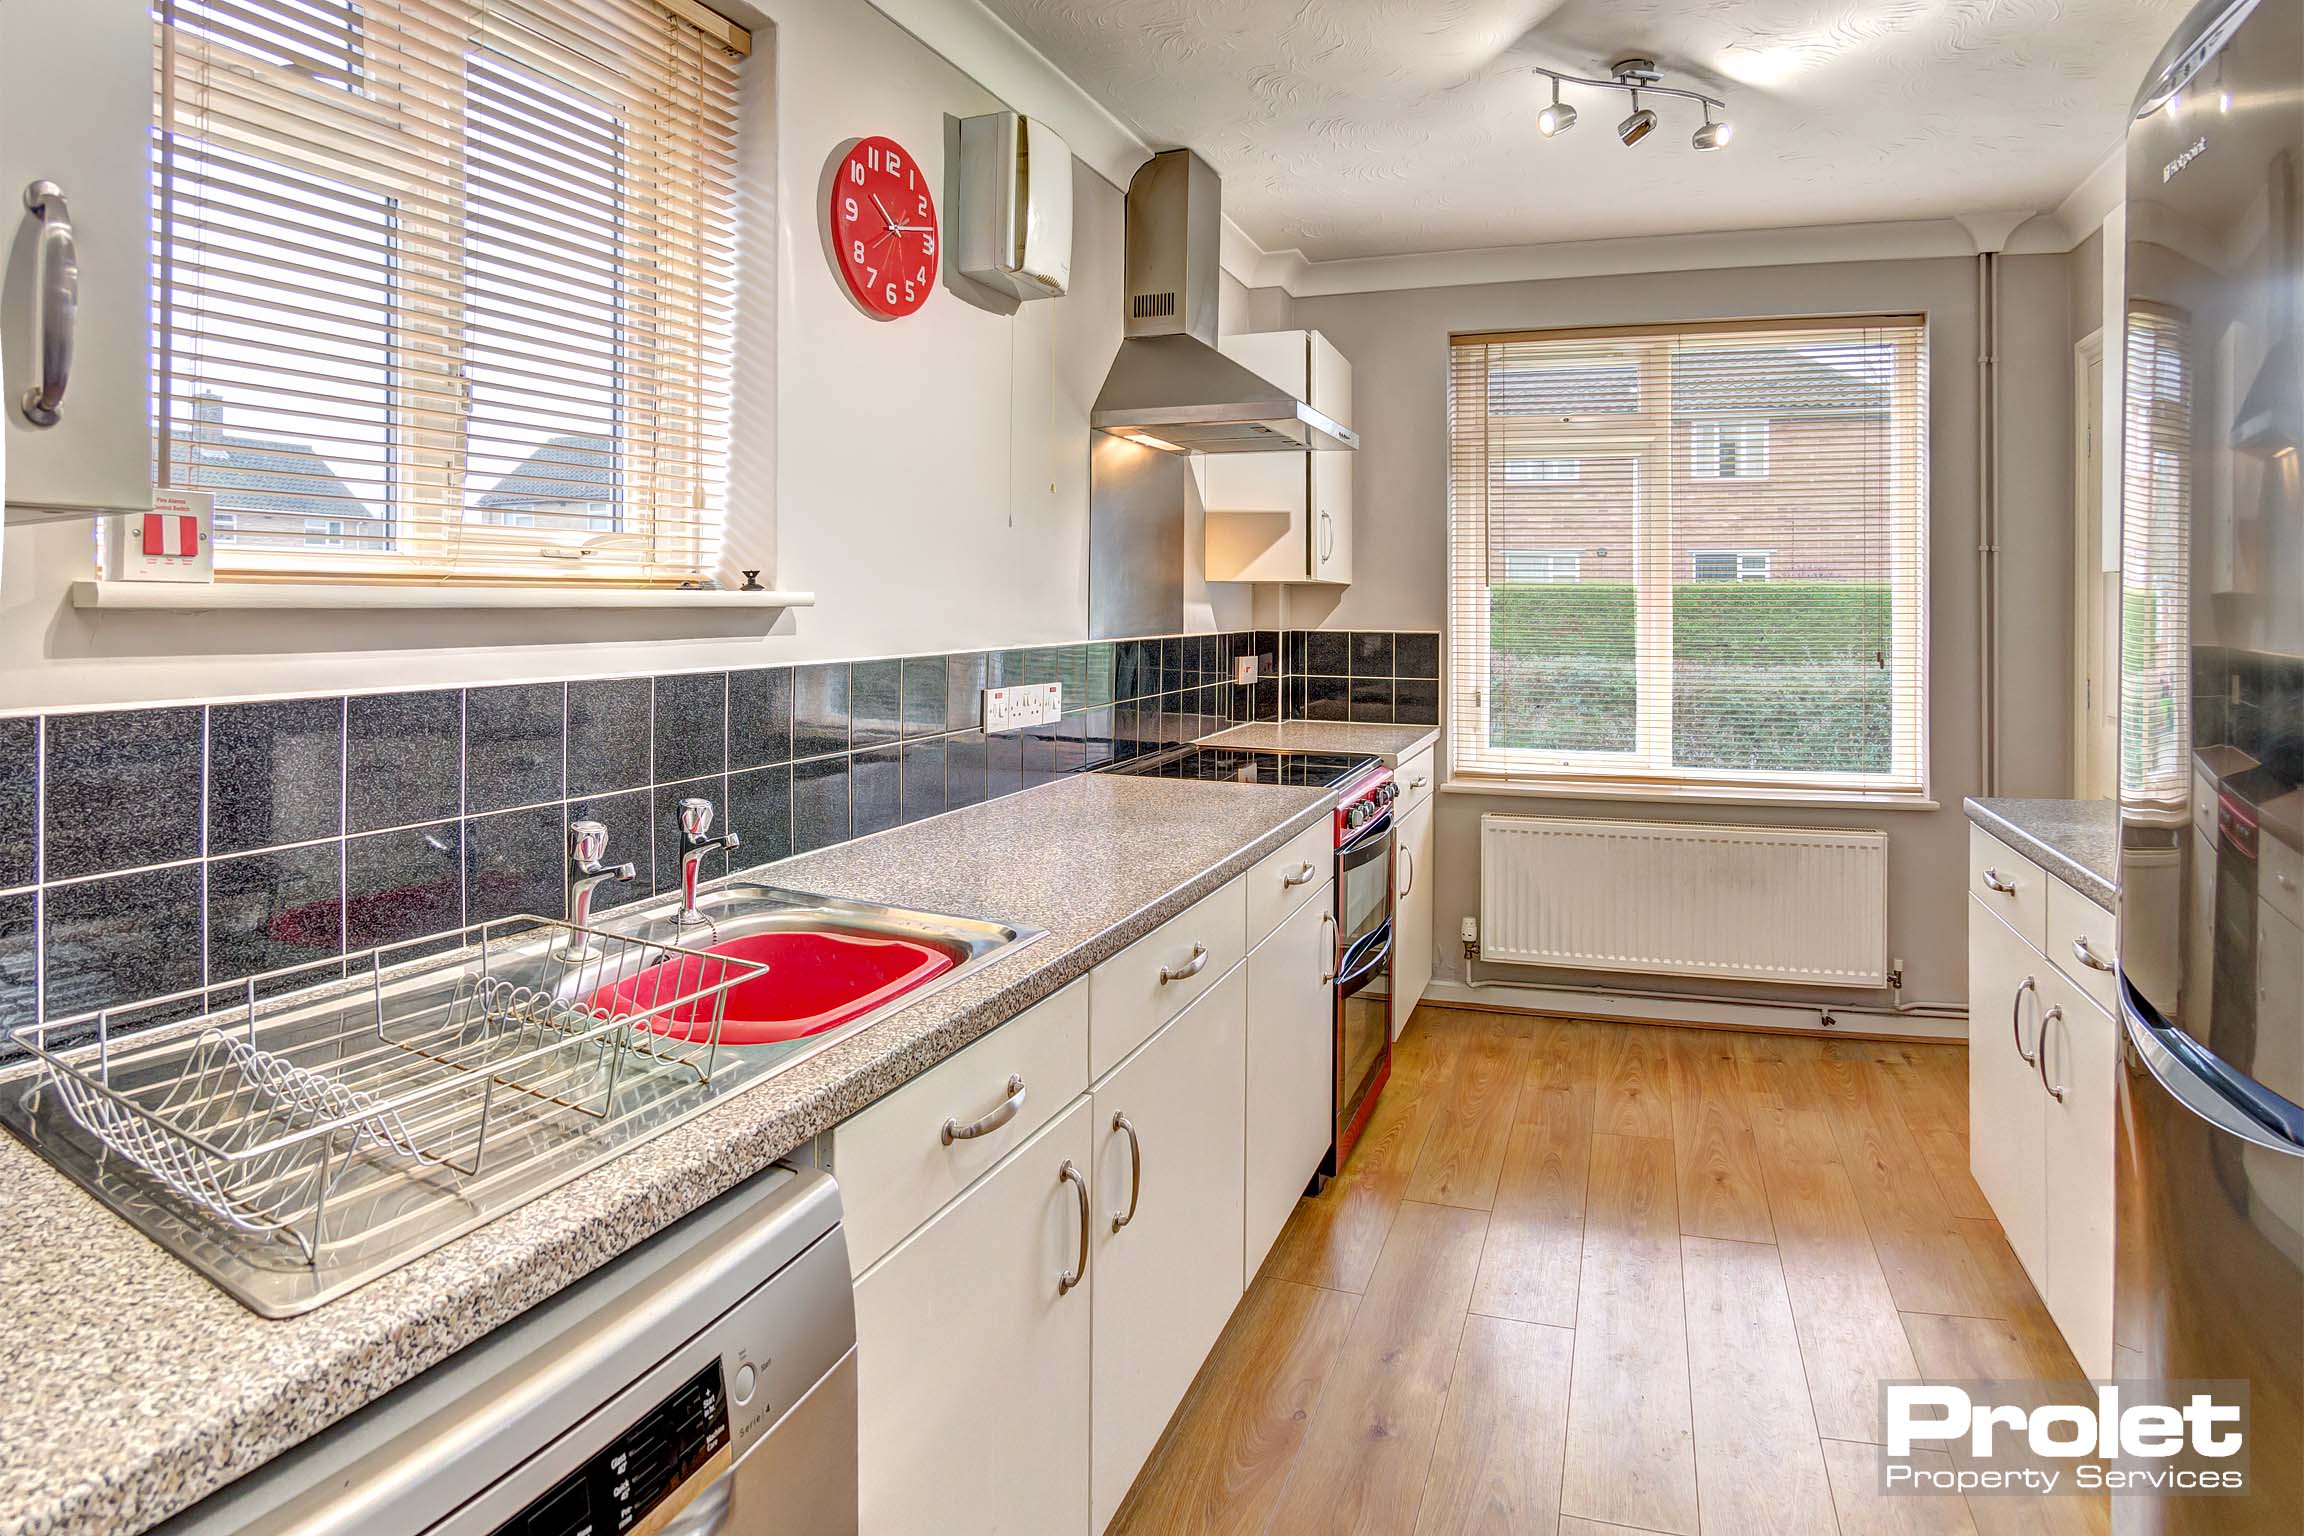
column 1799, row 1018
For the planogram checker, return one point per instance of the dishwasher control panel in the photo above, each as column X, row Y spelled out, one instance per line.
column 646, row 1475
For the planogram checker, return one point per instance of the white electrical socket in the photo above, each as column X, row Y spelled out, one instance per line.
column 1012, row 709
column 1244, row 669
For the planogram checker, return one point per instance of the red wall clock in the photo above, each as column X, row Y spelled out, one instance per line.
column 883, row 227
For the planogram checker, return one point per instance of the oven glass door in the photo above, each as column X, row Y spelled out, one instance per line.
column 1364, row 884
column 1363, row 1035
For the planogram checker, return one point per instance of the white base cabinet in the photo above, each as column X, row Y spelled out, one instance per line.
column 1414, row 912
column 1166, row 1226
column 1291, row 1051
column 973, row 1385
column 2042, row 1053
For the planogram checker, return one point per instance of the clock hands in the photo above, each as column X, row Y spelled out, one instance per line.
column 894, row 228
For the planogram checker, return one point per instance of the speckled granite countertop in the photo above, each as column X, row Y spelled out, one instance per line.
column 1326, row 736
column 2077, row 841
column 132, row 1387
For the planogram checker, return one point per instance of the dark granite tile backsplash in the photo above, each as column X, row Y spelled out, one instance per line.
column 146, row 851
column 1388, row 677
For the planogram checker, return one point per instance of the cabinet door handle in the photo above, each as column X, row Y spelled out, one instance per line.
column 1327, row 538
column 1995, row 881
column 1189, row 969
column 1008, row 1110
column 56, row 306
column 2085, row 953
column 2016, row 1020
column 1070, row 1174
column 1120, row 1122
column 1407, row 872
column 1327, row 948
column 1419, row 781
column 2054, row 1015
column 1303, row 876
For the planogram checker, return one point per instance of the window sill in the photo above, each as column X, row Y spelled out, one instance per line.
column 1682, row 794
column 255, row 596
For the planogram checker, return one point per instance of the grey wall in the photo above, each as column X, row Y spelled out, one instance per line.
column 1398, row 344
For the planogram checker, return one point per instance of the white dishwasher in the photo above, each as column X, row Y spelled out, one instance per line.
column 703, row 1384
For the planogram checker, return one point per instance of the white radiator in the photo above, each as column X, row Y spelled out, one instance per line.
column 1783, row 904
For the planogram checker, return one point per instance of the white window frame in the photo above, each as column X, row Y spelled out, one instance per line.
column 1555, row 470
column 1750, row 564
column 1554, row 560
column 1707, row 440
column 1647, row 772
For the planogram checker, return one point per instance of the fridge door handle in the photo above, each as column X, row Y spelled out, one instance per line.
column 56, row 306
column 2190, row 1084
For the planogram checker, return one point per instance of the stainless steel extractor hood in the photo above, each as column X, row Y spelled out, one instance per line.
column 1169, row 387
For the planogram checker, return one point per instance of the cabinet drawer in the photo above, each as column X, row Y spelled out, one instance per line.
column 2280, row 877
column 1286, row 880
column 2080, row 942
column 2010, row 886
column 895, row 1167
column 1415, row 779
column 1155, row 978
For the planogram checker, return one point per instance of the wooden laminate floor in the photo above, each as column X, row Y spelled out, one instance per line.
column 1589, row 1279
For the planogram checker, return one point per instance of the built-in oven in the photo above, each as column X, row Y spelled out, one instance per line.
column 1363, row 1001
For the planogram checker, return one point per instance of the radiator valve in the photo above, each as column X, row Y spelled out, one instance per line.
column 1471, row 933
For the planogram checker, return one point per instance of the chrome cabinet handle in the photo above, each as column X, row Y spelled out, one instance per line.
column 1303, row 876
column 1120, row 1122
column 1190, row 968
column 1993, row 881
column 1008, row 1110
column 1408, row 872
column 2016, row 1019
column 2054, row 1015
column 1327, row 537
column 1419, row 781
column 2085, row 953
column 1079, row 1270
column 56, row 312
column 1327, row 948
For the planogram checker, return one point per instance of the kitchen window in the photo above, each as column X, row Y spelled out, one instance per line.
column 1755, row 632
column 443, row 288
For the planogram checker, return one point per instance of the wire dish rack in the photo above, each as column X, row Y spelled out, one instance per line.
column 351, row 1111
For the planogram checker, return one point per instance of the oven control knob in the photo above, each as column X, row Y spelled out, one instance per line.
column 1356, row 815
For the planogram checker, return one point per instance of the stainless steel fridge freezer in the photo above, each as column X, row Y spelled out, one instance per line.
column 2210, row 1281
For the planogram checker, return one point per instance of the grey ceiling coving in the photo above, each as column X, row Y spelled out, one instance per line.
column 1392, row 127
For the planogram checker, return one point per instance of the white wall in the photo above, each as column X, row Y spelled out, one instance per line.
column 930, row 475
column 1398, row 343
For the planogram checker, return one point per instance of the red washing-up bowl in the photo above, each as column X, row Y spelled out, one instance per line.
column 817, row 979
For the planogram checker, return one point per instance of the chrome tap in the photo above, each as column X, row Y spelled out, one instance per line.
column 695, row 842
column 587, row 842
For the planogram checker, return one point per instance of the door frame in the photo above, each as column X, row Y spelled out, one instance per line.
column 2099, row 703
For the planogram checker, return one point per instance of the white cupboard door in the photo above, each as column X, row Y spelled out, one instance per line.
column 1330, row 377
column 972, row 1408
column 1291, row 1063
column 1332, row 515
column 1259, row 511
column 1167, row 1227
column 76, row 110
column 1412, row 915
column 2005, row 1120
column 2081, row 1057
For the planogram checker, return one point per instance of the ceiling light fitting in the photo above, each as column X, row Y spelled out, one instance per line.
column 1632, row 76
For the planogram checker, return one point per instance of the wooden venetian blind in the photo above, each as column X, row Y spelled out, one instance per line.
column 443, row 287
column 1691, row 555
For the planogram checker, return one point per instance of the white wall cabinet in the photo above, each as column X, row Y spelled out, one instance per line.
column 1283, row 516
column 2041, row 1087
column 76, row 110
column 973, row 1384
column 1166, row 1223
column 1414, row 912
column 1291, row 1053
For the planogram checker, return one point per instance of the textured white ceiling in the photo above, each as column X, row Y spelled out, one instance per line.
column 1349, row 128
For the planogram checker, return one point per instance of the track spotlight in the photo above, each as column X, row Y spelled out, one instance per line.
column 1638, row 126
column 1557, row 118
column 1712, row 135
